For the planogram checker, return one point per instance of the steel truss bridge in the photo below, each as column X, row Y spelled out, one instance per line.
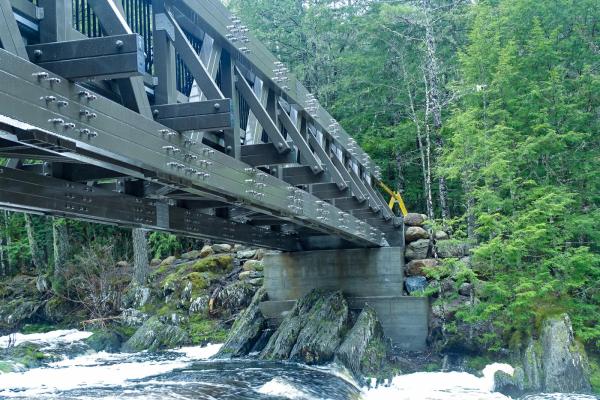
column 169, row 115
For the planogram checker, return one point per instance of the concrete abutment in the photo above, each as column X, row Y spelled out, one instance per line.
column 374, row 276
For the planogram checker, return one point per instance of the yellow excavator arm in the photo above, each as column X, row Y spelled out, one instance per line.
column 395, row 197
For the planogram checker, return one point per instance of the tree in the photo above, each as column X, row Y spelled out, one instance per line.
column 141, row 268
column 60, row 242
column 37, row 253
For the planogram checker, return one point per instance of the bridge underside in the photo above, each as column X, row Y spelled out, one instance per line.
column 172, row 117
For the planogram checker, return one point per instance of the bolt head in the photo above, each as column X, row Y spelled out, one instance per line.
column 38, row 53
column 217, row 106
column 119, row 44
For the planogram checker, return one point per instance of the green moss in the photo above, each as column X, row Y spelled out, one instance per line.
column 217, row 263
column 203, row 330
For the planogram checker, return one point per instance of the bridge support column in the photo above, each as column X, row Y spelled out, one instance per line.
column 373, row 276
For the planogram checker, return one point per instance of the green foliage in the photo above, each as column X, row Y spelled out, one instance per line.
column 163, row 244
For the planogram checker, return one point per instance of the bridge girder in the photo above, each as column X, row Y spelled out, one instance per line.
column 292, row 181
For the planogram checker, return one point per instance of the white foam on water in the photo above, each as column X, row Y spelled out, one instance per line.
column 282, row 388
column 200, row 353
column 441, row 386
column 48, row 338
column 47, row 380
column 90, row 370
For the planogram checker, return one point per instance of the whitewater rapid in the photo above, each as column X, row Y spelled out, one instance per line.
column 187, row 373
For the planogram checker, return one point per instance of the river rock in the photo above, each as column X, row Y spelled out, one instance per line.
column 441, row 235
column 364, row 349
column 191, row 255
column 248, row 275
column 322, row 333
column 206, row 251
column 414, row 219
column 155, row 335
column 415, row 233
column 109, row 341
column 417, row 250
column 221, row 248
column 246, row 254
column 452, row 249
column 168, row 261
column 155, row 262
column 247, row 329
column 415, row 267
column 253, row 265
column 415, row 284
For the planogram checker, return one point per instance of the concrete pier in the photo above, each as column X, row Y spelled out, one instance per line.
column 373, row 276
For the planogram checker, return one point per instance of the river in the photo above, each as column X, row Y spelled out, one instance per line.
column 188, row 373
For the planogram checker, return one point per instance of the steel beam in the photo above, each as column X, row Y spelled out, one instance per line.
column 112, row 57
column 10, row 37
column 195, row 65
column 120, row 139
column 336, row 175
column 302, row 175
column 204, row 116
column 307, row 157
column 112, row 18
column 265, row 154
column 29, row 192
column 261, row 113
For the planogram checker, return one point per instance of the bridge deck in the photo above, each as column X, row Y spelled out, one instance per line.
column 219, row 141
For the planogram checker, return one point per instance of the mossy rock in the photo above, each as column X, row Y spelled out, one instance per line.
column 27, row 354
column 217, row 263
column 155, row 335
column 109, row 341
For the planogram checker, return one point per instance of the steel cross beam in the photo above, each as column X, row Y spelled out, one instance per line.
column 112, row 136
column 26, row 191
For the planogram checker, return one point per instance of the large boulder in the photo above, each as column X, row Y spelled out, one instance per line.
column 565, row 362
column 253, row 265
column 247, row 329
column 221, row 248
column 283, row 340
column 364, row 349
column 415, row 233
column 553, row 363
column 191, row 255
column 415, row 267
column 322, row 333
column 415, row 284
column 232, row 298
column 414, row 219
column 417, row 250
column 109, row 341
column 452, row 249
column 155, row 335
column 206, row 251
